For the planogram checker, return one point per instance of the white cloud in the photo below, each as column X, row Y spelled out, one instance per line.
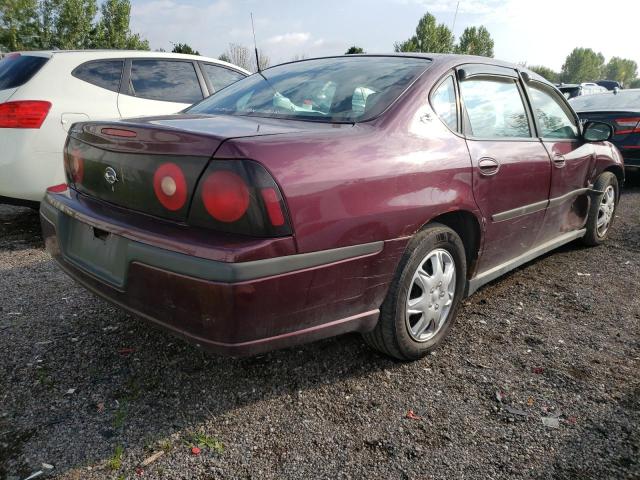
column 291, row 39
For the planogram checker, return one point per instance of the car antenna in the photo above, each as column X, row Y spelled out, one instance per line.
column 255, row 44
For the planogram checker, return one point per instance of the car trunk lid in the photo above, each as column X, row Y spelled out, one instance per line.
column 152, row 165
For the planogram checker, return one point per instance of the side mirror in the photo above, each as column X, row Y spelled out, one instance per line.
column 597, row 132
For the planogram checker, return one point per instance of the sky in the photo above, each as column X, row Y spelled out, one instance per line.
column 538, row 32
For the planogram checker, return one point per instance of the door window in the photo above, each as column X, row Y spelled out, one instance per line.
column 494, row 108
column 104, row 73
column 168, row 81
column 220, row 77
column 554, row 118
column 443, row 101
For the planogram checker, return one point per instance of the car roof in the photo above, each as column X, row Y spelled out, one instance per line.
column 100, row 54
column 444, row 59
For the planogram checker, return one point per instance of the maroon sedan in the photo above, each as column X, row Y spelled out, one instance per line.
column 359, row 193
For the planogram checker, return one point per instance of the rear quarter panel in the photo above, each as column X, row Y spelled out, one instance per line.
column 373, row 181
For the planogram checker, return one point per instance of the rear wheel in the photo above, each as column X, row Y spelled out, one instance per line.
column 602, row 209
column 423, row 299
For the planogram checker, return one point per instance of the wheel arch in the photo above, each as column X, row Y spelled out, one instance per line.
column 618, row 171
column 467, row 226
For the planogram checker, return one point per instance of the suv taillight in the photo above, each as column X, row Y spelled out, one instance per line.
column 23, row 113
column 239, row 196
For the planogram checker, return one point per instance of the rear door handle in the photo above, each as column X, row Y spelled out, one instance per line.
column 488, row 166
column 559, row 160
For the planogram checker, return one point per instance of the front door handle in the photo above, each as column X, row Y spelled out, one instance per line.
column 559, row 160
column 488, row 166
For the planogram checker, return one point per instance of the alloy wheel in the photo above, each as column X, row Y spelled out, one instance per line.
column 430, row 296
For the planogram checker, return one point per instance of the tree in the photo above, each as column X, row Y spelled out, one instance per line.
column 242, row 57
column 74, row 24
column 184, row 48
column 66, row 24
column 18, row 24
column 354, row 50
column 582, row 65
column 475, row 41
column 634, row 83
column 546, row 72
column 429, row 37
column 112, row 30
column 621, row 69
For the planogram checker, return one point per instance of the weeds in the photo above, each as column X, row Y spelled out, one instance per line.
column 115, row 462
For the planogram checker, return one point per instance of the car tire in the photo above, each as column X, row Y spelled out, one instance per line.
column 602, row 209
column 420, row 294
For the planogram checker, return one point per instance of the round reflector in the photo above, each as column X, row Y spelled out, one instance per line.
column 225, row 196
column 170, row 186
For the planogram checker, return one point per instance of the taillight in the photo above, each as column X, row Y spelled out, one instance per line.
column 239, row 196
column 170, row 186
column 74, row 165
column 60, row 188
column 225, row 196
column 23, row 114
column 272, row 202
column 627, row 125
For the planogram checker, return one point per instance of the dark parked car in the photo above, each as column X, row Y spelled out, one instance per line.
column 609, row 84
column 622, row 112
column 357, row 193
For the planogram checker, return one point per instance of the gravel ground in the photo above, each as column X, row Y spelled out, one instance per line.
column 92, row 392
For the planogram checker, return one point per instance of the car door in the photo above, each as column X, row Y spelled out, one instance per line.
column 159, row 87
column 572, row 160
column 511, row 168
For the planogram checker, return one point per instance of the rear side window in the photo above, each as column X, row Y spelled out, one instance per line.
column 220, row 77
column 444, row 104
column 169, row 81
column 494, row 108
column 554, row 118
column 103, row 73
column 16, row 70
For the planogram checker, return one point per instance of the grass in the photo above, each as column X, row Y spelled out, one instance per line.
column 120, row 415
column 202, row 440
column 115, row 462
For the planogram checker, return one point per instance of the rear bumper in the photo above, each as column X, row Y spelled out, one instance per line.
column 233, row 308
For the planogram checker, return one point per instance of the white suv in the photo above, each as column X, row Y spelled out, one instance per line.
column 43, row 93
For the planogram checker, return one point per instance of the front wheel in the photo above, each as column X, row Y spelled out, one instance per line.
column 602, row 209
column 423, row 299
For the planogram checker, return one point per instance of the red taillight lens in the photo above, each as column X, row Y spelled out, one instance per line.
column 63, row 187
column 239, row 197
column 225, row 196
column 170, row 186
column 627, row 125
column 272, row 203
column 74, row 165
column 23, row 114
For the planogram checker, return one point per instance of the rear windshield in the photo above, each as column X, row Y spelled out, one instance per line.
column 16, row 70
column 343, row 89
column 624, row 100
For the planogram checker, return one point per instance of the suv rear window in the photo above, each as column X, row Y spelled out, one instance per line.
column 220, row 77
column 166, row 80
column 102, row 73
column 16, row 70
